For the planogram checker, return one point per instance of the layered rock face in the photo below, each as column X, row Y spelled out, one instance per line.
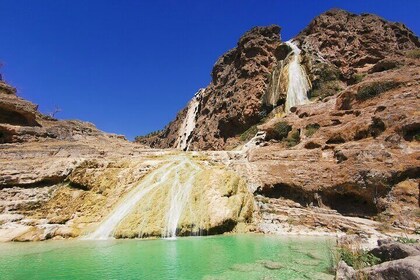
column 75, row 192
column 337, row 46
column 353, row 151
column 20, row 122
column 354, row 148
column 353, row 42
column 356, row 153
column 62, row 179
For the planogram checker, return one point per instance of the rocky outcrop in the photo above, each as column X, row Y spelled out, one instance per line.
column 61, row 179
column 21, row 122
column 354, row 43
column 338, row 49
column 404, row 269
column 233, row 100
column 355, row 153
column 347, row 157
column 389, row 250
column 399, row 261
column 15, row 111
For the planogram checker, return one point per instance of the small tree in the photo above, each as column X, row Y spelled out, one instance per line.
column 55, row 111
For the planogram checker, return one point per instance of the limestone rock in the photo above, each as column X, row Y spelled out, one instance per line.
column 339, row 48
column 344, row 271
column 403, row 269
column 15, row 110
column 355, row 159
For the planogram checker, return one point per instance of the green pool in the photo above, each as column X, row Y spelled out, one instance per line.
column 215, row 257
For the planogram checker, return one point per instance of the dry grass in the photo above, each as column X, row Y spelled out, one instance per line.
column 355, row 256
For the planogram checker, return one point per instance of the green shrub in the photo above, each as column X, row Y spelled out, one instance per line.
column 293, row 139
column 310, row 129
column 357, row 78
column 374, row 89
column 417, row 137
column 249, row 133
column 325, row 89
column 328, row 73
column 357, row 258
column 327, row 81
column 282, row 129
column 151, row 134
column 413, row 53
column 406, row 240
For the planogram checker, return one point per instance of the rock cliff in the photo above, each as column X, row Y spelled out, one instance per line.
column 338, row 48
column 233, row 100
column 345, row 161
column 62, row 179
column 353, row 149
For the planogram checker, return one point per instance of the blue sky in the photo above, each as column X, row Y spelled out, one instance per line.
column 128, row 66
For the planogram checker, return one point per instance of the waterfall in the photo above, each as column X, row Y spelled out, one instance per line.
column 188, row 125
column 179, row 196
column 178, row 176
column 106, row 229
column 298, row 81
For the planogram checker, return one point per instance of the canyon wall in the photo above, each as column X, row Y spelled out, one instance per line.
column 338, row 47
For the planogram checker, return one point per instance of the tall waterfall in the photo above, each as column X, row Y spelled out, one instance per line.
column 298, row 81
column 188, row 125
column 174, row 179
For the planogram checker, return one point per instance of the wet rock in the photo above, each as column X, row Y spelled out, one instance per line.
column 272, row 264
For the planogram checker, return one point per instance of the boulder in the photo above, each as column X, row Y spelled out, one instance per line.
column 403, row 269
column 395, row 251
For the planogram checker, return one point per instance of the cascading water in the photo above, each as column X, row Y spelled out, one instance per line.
column 298, row 81
column 188, row 124
column 105, row 230
column 179, row 196
column 178, row 176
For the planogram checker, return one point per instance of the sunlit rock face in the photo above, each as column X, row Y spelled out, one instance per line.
column 354, row 43
column 251, row 81
column 233, row 101
column 352, row 150
column 151, row 194
column 182, row 196
column 192, row 201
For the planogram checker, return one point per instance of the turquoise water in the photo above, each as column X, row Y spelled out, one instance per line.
column 215, row 257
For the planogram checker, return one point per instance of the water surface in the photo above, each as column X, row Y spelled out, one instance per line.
column 215, row 257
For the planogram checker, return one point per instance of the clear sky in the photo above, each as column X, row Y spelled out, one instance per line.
column 128, row 66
